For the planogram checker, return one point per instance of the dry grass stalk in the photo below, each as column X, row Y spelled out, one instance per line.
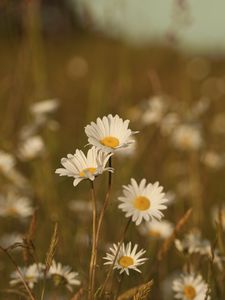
column 78, row 295
column 28, row 239
column 52, row 248
column 137, row 293
column 168, row 242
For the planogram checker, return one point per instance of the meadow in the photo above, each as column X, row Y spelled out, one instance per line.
column 51, row 88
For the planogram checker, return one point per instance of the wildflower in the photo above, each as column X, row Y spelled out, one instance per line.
column 15, row 206
column 10, row 239
column 44, row 107
column 109, row 133
column 187, row 137
column 190, row 287
column 82, row 167
column 31, row 275
column 156, row 108
column 31, row 148
column 127, row 258
column 7, row 162
column 193, row 243
column 156, row 229
column 62, row 275
column 143, row 201
column 213, row 160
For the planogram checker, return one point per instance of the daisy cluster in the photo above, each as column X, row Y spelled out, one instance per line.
column 142, row 202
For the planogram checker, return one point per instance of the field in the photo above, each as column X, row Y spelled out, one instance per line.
column 176, row 103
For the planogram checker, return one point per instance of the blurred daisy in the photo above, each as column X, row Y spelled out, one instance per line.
column 190, row 287
column 213, row 160
column 44, row 107
column 155, row 110
column 82, row 167
column 156, row 229
column 169, row 123
column 31, row 148
column 187, row 137
column 10, row 239
column 109, row 133
column 192, row 243
column 7, row 162
column 15, row 206
column 127, row 258
column 80, row 206
column 143, row 201
column 62, row 275
column 31, row 275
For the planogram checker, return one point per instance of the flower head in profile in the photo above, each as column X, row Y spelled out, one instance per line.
column 82, row 167
column 109, row 133
column 190, row 287
column 157, row 229
column 31, row 148
column 63, row 275
column 31, row 275
column 15, row 206
column 127, row 259
column 143, row 201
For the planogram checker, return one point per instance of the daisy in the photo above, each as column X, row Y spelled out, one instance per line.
column 10, row 239
column 155, row 110
column 127, row 258
column 187, row 137
column 7, row 162
column 15, row 206
column 156, row 229
column 82, row 167
column 44, row 107
column 190, row 287
column 31, row 148
column 109, row 133
column 62, row 275
column 31, row 275
column 143, row 201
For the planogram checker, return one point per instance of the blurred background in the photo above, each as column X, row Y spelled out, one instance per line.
column 159, row 64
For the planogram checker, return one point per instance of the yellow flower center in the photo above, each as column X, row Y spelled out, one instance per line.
column 142, row 203
column 189, row 292
column 110, row 141
column 154, row 233
column 125, row 261
column 90, row 170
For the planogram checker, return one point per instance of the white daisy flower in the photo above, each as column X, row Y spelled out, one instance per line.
column 31, row 148
column 62, row 275
column 190, row 287
column 156, row 229
column 213, row 160
column 7, row 162
column 143, row 201
column 109, row 133
column 127, row 258
column 155, row 110
column 15, row 206
column 44, row 107
column 31, row 275
column 82, row 167
column 187, row 137
column 10, row 239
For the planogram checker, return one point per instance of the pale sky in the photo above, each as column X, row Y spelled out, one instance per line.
column 145, row 20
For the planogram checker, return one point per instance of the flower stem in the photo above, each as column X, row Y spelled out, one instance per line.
column 91, row 285
column 19, row 273
column 115, row 258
